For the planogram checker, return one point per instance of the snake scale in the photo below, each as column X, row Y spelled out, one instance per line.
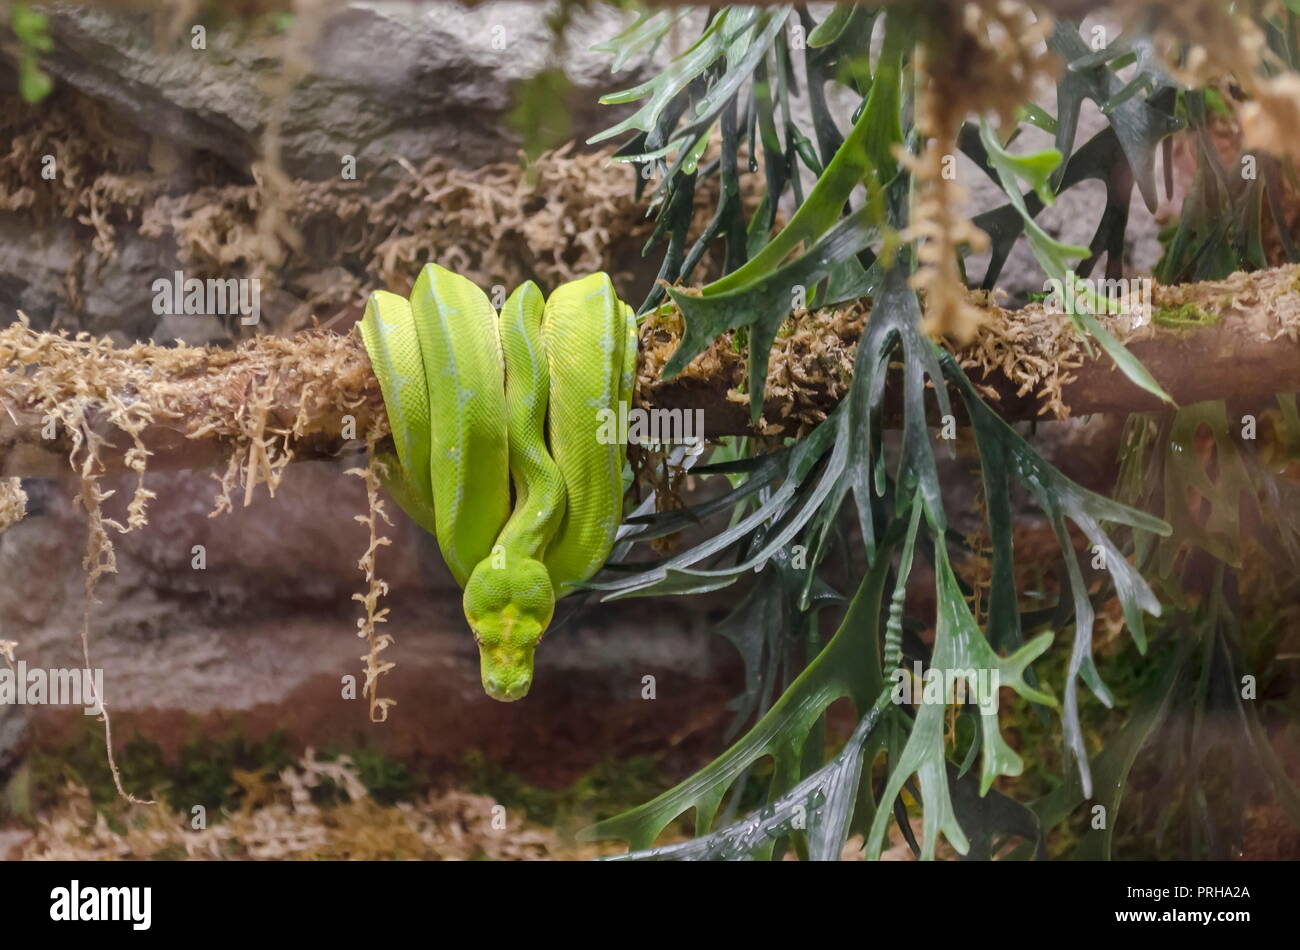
column 495, row 431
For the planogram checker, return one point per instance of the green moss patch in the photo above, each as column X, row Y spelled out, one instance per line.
column 1186, row 316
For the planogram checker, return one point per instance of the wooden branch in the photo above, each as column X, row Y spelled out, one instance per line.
column 1029, row 362
column 194, row 407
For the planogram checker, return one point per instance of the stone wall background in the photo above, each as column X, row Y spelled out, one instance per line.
column 262, row 636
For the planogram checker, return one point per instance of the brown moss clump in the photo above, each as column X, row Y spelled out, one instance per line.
column 1038, row 349
column 67, row 160
column 13, row 502
column 811, row 366
column 1035, row 348
column 503, row 224
column 255, row 400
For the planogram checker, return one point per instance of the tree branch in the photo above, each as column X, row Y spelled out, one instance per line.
column 273, row 398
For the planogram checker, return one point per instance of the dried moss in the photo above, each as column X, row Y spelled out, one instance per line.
column 810, row 369
column 13, row 502
column 312, row 809
column 328, row 242
column 262, row 801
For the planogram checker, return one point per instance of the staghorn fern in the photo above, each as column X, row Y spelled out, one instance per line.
column 732, row 89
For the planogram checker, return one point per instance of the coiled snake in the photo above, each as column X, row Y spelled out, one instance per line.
column 479, row 402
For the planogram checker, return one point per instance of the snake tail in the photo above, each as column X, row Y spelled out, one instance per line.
column 388, row 332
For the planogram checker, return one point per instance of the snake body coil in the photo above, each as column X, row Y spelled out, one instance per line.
column 480, row 402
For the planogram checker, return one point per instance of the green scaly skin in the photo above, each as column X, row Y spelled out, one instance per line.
column 477, row 403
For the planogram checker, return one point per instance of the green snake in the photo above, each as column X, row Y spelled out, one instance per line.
column 480, row 402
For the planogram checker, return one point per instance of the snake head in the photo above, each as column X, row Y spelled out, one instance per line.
column 508, row 604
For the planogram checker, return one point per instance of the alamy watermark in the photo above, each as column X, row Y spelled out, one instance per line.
column 1130, row 297
column 21, row 685
column 651, row 427
column 233, row 296
column 936, row 687
column 85, row 902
